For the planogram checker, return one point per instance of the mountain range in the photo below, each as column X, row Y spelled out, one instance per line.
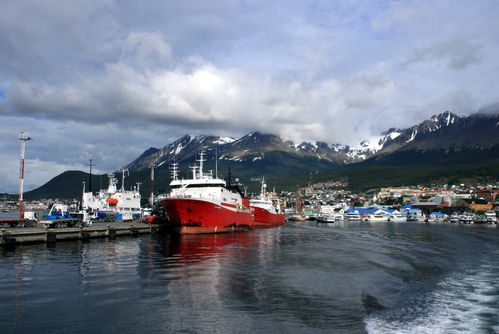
column 442, row 139
column 445, row 132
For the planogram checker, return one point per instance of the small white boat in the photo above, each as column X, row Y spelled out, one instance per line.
column 397, row 218
column 467, row 219
column 330, row 214
column 353, row 216
column 325, row 218
column 376, row 218
column 454, row 219
column 490, row 217
column 437, row 217
column 338, row 216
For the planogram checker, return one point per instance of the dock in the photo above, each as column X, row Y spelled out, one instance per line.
column 20, row 222
column 24, row 235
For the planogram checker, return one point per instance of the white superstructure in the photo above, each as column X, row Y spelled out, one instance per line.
column 124, row 202
column 266, row 201
column 202, row 186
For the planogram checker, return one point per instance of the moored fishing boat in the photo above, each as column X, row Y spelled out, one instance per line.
column 113, row 203
column 205, row 204
column 267, row 209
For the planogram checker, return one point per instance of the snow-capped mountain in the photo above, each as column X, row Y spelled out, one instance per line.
column 368, row 148
column 253, row 147
column 444, row 138
column 183, row 148
column 393, row 139
column 442, row 131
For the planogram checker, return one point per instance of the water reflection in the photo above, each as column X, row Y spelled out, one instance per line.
column 303, row 277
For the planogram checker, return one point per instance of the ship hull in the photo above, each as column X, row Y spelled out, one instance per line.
column 194, row 216
column 264, row 217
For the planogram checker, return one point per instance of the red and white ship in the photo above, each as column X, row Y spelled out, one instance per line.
column 204, row 204
column 267, row 208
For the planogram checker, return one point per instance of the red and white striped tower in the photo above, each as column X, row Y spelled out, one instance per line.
column 23, row 138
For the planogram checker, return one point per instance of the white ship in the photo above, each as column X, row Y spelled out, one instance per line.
column 267, row 209
column 206, row 204
column 122, row 204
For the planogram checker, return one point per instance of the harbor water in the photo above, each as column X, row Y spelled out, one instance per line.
column 299, row 278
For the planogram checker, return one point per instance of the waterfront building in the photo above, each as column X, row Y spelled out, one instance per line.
column 477, row 204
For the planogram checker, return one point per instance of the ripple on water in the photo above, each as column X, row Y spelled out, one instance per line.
column 463, row 302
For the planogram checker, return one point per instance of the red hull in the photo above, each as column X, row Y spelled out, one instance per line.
column 266, row 218
column 190, row 216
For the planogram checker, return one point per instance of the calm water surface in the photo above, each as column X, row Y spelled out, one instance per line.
column 301, row 278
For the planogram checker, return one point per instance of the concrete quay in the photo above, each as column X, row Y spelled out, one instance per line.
column 13, row 236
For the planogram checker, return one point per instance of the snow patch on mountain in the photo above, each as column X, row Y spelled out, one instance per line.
column 366, row 148
column 395, row 134
column 179, row 148
column 413, row 135
column 224, row 140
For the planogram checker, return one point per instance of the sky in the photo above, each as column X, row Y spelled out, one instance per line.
column 105, row 80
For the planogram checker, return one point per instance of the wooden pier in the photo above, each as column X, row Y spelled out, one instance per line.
column 12, row 236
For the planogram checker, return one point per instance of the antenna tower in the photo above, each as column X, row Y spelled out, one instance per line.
column 23, row 138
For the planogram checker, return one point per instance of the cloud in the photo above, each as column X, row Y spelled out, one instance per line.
column 146, row 50
column 205, row 97
column 490, row 109
column 395, row 15
column 106, row 80
column 457, row 53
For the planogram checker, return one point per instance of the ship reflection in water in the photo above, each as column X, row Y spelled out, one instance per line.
column 299, row 278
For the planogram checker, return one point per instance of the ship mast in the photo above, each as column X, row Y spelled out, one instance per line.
column 216, row 161
column 174, row 170
column 263, row 190
column 194, row 171
column 201, row 160
column 152, row 184
column 124, row 170
column 90, row 164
